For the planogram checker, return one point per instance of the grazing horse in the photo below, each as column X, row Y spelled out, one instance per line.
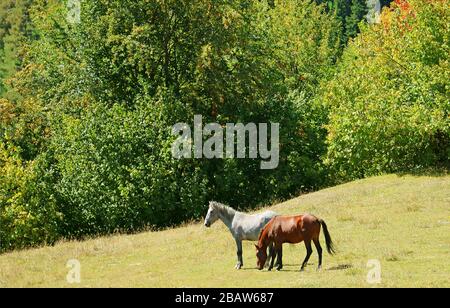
column 293, row 230
column 243, row 227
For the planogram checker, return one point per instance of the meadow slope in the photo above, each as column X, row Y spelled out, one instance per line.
column 404, row 222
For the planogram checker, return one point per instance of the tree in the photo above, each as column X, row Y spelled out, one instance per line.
column 15, row 30
column 110, row 88
column 358, row 12
column 349, row 13
column 389, row 105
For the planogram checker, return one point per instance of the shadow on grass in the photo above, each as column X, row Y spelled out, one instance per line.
column 340, row 267
column 431, row 172
column 291, row 268
column 295, row 268
column 249, row 269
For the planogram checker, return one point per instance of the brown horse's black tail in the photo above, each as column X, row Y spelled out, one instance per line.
column 330, row 245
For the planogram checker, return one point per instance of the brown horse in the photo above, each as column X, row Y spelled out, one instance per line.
column 292, row 230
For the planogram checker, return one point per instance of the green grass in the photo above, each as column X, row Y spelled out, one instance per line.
column 404, row 222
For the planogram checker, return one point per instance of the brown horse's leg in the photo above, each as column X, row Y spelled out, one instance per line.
column 280, row 258
column 309, row 252
column 319, row 251
column 271, row 253
column 274, row 254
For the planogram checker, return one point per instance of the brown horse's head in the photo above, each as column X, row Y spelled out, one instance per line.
column 261, row 255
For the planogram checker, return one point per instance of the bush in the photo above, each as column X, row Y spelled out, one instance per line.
column 117, row 171
column 28, row 213
column 28, row 207
column 115, row 84
column 389, row 105
column 98, row 100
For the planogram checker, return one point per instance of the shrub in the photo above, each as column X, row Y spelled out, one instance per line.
column 389, row 105
column 28, row 206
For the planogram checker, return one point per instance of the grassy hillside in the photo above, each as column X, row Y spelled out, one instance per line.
column 404, row 222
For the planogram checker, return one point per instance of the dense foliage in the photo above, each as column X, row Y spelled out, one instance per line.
column 389, row 104
column 16, row 30
column 85, row 136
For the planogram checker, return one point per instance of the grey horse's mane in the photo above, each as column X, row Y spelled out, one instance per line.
column 222, row 207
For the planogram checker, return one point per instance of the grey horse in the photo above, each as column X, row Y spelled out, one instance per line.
column 242, row 226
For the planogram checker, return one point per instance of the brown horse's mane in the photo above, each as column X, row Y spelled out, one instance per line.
column 261, row 233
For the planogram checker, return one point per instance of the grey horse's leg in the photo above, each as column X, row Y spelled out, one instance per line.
column 240, row 263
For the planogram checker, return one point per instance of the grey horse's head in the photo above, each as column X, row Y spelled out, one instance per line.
column 213, row 214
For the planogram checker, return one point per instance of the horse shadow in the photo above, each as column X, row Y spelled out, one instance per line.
column 296, row 268
column 340, row 267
